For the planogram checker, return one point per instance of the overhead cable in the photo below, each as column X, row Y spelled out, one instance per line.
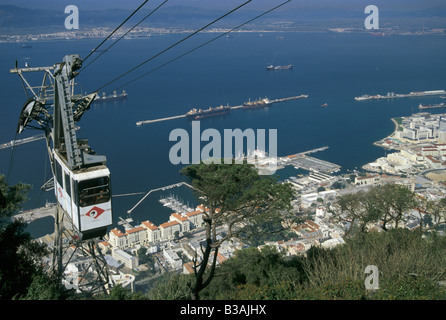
column 172, row 46
column 116, row 29
column 126, row 33
column 202, row 45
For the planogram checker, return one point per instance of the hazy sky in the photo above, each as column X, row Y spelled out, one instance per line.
column 226, row 4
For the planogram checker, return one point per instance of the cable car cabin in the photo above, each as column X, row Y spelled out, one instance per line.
column 85, row 194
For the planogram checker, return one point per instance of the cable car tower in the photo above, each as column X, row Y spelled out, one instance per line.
column 81, row 179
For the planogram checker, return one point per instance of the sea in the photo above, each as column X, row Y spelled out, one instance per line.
column 329, row 67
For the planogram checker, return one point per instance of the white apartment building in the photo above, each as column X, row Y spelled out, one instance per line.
column 149, row 233
column 173, row 259
column 128, row 260
column 168, row 229
column 195, row 218
column 183, row 220
column 153, row 232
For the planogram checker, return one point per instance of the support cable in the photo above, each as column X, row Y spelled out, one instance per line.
column 11, row 159
column 130, row 30
column 202, row 45
column 175, row 44
column 116, row 29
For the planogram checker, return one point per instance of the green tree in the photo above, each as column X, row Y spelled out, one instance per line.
column 350, row 208
column 358, row 209
column 387, row 204
column 401, row 200
column 11, row 199
column 409, row 267
column 46, row 287
column 171, row 287
column 432, row 214
column 252, row 268
column 235, row 196
column 21, row 273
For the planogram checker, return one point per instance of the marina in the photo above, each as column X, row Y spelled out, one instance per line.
column 176, row 205
column 269, row 102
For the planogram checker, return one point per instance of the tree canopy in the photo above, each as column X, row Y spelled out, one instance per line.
column 22, row 275
column 236, row 197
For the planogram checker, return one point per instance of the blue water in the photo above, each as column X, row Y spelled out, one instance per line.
column 332, row 68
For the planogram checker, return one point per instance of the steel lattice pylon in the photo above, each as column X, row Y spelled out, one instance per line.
column 53, row 107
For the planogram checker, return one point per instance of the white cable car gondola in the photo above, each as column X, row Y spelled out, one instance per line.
column 85, row 195
column 81, row 178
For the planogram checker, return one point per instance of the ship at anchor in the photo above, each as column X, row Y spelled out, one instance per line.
column 195, row 114
column 274, row 68
column 114, row 96
column 259, row 103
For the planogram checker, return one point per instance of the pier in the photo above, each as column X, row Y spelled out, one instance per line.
column 302, row 96
column 304, row 161
column 140, row 123
column 433, row 106
column 314, row 164
column 159, row 189
column 302, row 154
column 126, row 223
column 34, row 214
column 393, row 95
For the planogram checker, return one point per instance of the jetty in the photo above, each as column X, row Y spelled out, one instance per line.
column 393, row 95
column 140, row 123
column 30, row 215
column 304, row 161
column 304, row 153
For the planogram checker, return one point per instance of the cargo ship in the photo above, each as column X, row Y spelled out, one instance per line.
column 260, row 103
column 273, row 68
column 195, row 114
column 111, row 97
column 433, row 106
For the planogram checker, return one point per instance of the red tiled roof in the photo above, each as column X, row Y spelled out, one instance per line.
column 117, row 232
column 179, row 217
column 134, row 230
column 149, row 225
column 193, row 213
column 168, row 224
column 189, row 267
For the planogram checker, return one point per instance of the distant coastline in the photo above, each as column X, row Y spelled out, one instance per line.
column 145, row 33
